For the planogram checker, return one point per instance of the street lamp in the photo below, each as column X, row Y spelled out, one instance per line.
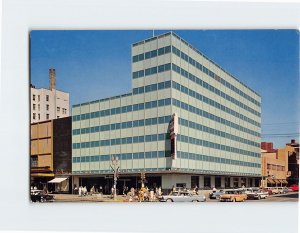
column 115, row 167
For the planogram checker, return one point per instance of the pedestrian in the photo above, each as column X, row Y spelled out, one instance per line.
column 112, row 191
column 173, row 188
column 84, row 191
column 92, row 190
column 100, row 190
column 159, row 191
column 151, row 195
column 45, row 190
column 80, row 191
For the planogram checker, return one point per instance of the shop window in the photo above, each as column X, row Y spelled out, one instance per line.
column 207, row 182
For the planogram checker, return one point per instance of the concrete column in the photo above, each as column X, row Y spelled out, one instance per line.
column 222, row 182
column 201, row 182
column 75, row 181
column 168, row 181
column 240, row 182
column 231, row 182
column 247, row 182
column 253, row 182
column 212, row 182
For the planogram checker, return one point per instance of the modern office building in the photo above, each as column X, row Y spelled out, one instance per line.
column 47, row 104
column 186, row 122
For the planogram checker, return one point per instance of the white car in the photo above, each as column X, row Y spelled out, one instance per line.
column 256, row 193
column 182, row 197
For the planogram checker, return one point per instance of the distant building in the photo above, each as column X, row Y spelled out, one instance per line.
column 274, row 166
column 187, row 122
column 47, row 104
column 291, row 151
column 50, row 156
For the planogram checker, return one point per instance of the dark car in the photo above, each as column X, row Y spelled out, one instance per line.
column 40, row 196
column 216, row 194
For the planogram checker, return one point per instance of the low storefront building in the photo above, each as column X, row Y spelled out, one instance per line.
column 50, row 153
column 274, row 166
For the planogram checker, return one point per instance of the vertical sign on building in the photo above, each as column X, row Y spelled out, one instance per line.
column 173, row 133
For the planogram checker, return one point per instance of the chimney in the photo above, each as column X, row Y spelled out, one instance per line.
column 293, row 141
column 52, row 79
column 268, row 146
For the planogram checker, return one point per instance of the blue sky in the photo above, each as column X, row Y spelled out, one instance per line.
column 92, row 65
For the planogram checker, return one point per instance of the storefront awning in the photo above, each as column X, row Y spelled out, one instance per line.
column 270, row 181
column 283, row 181
column 57, row 180
column 277, row 181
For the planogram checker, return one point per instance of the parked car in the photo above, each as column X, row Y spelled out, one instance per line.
column 233, row 196
column 271, row 190
column 178, row 196
column 283, row 190
column 268, row 190
column 294, row 187
column 40, row 196
column 275, row 190
column 216, row 194
column 256, row 193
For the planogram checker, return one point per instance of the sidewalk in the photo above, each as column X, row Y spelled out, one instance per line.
column 89, row 198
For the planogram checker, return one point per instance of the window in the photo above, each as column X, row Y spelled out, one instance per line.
column 38, row 97
column 39, row 107
column 47, row 97
column 47, row 116
column 34, row 161
column 33, row 107
column 39, row 116
column 47, row 107
column 206, row 181
column 57, row 117
column 160, row 51
column 58, row 109
column 33, row 97
column 33, row 116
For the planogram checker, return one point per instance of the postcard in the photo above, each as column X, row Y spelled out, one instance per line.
column 164, row 116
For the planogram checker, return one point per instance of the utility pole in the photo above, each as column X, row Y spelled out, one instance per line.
column 143, row 179
column 115, row 167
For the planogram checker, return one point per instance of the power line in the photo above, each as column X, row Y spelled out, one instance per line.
column 279, row 137
column 297, row 133
column 282, row 123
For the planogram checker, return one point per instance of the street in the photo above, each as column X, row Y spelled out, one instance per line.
column 288, row 197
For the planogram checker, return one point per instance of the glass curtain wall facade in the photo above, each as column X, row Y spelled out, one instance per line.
column 219, row 119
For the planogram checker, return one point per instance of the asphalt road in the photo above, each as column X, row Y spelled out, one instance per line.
column 288, row 197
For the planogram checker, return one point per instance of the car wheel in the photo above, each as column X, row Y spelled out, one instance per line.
column 195, row 200
column 169, row 200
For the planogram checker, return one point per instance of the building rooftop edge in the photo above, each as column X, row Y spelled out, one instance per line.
column 196, row 50
column 48, row 89
column 101, row 100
